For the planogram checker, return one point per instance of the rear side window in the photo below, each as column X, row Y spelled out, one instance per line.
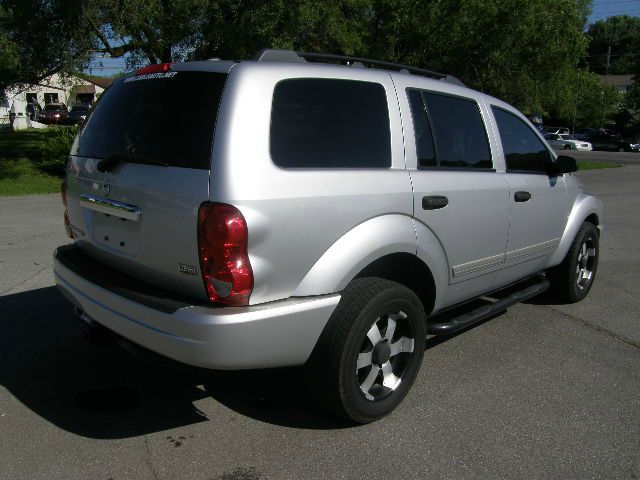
column 168, row 118
column 326, row 123
column 523, row 150
column 452, row 128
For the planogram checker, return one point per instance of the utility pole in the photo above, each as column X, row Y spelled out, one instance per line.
column 608, row 60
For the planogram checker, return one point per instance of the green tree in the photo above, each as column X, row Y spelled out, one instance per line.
column 622, row 34
column 39, row 38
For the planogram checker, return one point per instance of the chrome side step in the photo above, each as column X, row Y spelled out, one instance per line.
column 465, row 320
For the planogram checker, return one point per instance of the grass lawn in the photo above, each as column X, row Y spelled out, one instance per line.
column 589, row 165
column 19, row 169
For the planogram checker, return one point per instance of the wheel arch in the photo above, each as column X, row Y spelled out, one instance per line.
column 586, row 208
column 382, row 247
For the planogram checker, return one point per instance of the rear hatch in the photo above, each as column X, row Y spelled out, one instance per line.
column 139, row 171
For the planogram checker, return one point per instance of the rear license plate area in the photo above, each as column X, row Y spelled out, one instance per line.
column 116, row 234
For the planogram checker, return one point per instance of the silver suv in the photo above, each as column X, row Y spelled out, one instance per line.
column 285, row 211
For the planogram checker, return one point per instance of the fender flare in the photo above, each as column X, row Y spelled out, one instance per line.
column 584, row 205
column 364, row 244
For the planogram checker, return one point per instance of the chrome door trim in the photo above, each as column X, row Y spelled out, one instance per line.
column 533, row 249
column 475, row 265
column 111, row 207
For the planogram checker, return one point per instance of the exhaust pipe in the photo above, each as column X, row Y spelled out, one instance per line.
column 94, row 333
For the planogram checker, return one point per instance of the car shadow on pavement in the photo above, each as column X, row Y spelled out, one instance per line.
column 105, row 392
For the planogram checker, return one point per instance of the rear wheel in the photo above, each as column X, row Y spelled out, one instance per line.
column 369, row 354
column 573, row 278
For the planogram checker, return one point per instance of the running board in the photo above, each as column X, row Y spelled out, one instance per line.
column 481, row 313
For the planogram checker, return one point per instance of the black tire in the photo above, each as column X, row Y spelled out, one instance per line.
column 567, row 147
column 333, row 374
column 568, row 281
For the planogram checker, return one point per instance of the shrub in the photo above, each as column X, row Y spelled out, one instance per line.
column 55, row 150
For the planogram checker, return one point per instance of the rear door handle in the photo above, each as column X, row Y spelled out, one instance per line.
column 522, row 196
column 434, row 202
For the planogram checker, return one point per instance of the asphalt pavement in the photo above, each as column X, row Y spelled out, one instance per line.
column 542, row 391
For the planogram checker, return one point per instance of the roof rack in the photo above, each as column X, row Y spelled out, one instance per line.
column 276, row 55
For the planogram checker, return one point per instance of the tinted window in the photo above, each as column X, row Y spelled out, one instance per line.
column 422, row 129
column 523, row 150
column 79, row 108
column 53, row 108
column 166, row 117
column 460, row 137
column 325, row 123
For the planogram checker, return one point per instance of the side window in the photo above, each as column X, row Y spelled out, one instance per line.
column 326, row 123
column 523, row 150
column 449, row 131
column 422, row 129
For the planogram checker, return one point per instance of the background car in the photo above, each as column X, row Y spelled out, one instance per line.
column 54, row 113
column 77, row 114
column 605, row 141
column 631, row 144
column 567, row 142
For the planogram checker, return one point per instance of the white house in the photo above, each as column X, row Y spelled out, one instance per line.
column 58, row 88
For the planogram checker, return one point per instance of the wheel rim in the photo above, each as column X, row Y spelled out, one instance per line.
column 385, row 355
column 585, row 263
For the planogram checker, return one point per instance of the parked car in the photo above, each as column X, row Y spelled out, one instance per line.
column 562, row 130
column 317, row 215
column 77, row 114
column 54, row 113
column 566, row 142
column 604, row 141
column 34, row 110
column 630, row 144
column 584, row 133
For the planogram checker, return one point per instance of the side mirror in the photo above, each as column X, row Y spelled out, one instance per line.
column 564, row 164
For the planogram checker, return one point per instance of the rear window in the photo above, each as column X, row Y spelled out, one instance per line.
column 79, row 108
column 326, row 123
column 168, row 118
column 53, row 108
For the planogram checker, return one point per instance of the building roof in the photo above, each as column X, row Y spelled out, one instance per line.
column 617, row 80
column 102, row 82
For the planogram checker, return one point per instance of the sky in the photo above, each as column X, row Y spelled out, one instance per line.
column 601, row 9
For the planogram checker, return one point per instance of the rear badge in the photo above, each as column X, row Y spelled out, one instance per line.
column 189, row 269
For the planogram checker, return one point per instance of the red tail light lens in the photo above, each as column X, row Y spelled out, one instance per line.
column 63, row 191
column 155, row 68
column 222, row 242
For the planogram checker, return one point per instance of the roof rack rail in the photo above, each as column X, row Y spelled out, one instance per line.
column 276, row 55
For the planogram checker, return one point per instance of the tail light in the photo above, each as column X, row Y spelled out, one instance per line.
column 222, row 243
column 63, row 194
column 63, row 191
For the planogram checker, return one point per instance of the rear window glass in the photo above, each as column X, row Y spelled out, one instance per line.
column 168, row 118
column 326, row 123
column 79, row 108
column 53, row 108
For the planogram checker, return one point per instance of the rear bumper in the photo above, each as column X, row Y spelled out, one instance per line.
column 276, row 334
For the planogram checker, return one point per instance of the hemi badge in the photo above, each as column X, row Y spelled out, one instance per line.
column 190, row 269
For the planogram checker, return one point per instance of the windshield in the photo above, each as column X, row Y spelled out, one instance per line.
column 53, row 108
column 169, row 118
column 567, row 137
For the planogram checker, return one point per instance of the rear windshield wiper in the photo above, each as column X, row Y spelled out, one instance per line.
column 107, row 164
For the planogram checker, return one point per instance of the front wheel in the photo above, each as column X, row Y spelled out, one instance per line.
column 369, row 354
column 573, row 278
column 567, row 147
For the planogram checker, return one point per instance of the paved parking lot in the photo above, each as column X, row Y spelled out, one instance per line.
column 542, row 391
